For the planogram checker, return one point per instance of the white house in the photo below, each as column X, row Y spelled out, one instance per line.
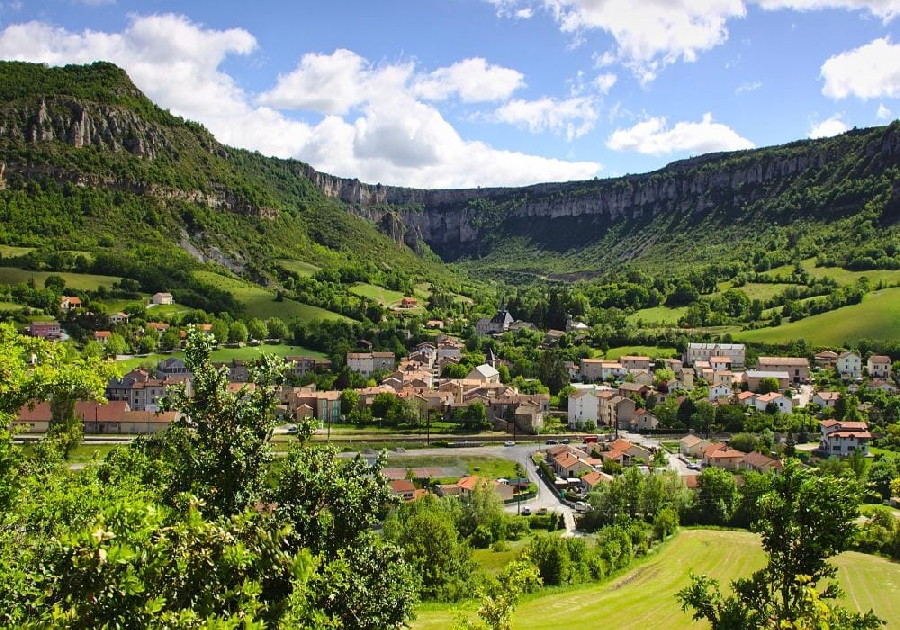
column 118, row 318
column 842, row 438
column 162, row 298
column 719, row 391
column 484, row 373
column 849, row 365
column 784, row 404
column 879, row 366
column 825, row 400
column 705, row 351
column 584, row 406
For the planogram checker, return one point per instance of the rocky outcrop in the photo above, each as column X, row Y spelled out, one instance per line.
column 450, row 218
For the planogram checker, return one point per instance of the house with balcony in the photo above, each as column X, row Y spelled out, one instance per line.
column 841, row 438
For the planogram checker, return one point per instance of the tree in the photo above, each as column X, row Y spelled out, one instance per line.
column 767, row 385
column 223, row 435
column 55, row 283
column 349, row 401
column 804, row 520
column 277, row 329
column 880, row 474
column 237, row 332
column 169, row 340
column 257, row 329
column 500, row 596
column 116, row 345
column 717, row 497
column 219, row 331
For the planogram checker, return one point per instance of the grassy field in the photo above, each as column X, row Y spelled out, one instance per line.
column 383, row 296
column 877, row 317
column 483, row 466
column 763, row 291
column 645, row 596
column 259, row 302
column 227, row 354
column 9, row 306
column 82, row 281
column 658, row 315
column 9, row 251
column 841, row 276
column 298, row 266
column 641, row 351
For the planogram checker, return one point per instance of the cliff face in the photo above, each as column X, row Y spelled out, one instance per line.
column 451, row 220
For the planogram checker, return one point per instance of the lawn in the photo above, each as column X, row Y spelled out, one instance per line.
column 9, row 306
column 298, row 266
column 658, row 316
column 383, row 296
column 82, row 281
column 10, row 251
column 645, row 596
column 763, row 291
column 877, row 318
column 227, row 354
column 641, row 351
column 260, row 302
column 482, row 466
column 841, row 276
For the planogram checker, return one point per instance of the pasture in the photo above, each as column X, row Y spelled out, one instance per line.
column 877, row 317
column 385, row 297
column 81, row 281
column 644, row 597
column 259, row 302
column 298, row 266
column 657, row 316
column 614, row 354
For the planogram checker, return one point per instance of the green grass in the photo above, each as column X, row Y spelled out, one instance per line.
column 658, row 315
column 841, row 276
column 641, row 351
column 383, row 296
column 645, row 596
column 82, row 281
column 482, row 466
column 9, row 306
column 298, row 266
column 227, row 354
column 493, row 562
column 877, row 318
column 763, row 291
column 9, row 251
column 259, row 302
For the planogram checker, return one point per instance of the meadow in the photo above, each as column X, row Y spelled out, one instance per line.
column 244, row 353
column 657, row 316
column 298, row 266
column 640, row 351
column 644, row 597
column 259, row 302
column 81, row 281
column 876, row 317
column 385, row 297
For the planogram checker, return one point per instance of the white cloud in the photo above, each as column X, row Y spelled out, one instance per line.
column 575, row 116
column 605, row 82
column 870, row 71
column 393, row 138
column 524, row 14
column 884, row 9
column 474, row 80
column 827, row 128
column 653, row 136
column 748, row 86
column 883, row 113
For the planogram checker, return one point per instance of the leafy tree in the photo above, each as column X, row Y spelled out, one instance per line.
column 804, row 520
column 767, row 385
column 880, row 474
column 169, row 340
column 277, row 329
column 237, row 332
column 349, row 401
column 743, row 442
column 55, row 283
column 219, row 331
column 223, row 436
column 717, row 497
column 257, row 329
column 116, row 345
column 500, row 596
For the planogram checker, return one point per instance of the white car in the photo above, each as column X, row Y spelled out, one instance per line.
column 509, row 443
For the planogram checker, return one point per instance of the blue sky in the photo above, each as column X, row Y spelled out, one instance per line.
column 461, row 93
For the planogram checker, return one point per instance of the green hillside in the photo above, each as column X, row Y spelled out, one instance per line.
column 645, row 596
column 876, row 318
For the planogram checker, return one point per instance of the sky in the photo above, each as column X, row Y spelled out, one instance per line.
column 466, row 93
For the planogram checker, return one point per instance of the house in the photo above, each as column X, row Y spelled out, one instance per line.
column 719, row 391
column 584, row 406
column 173, row 366
column 825, row 400
column 723, row 456
column 143, row 392
column 625, row 452
column 592, row 479
column 568, row 465
column 760, row 463
column 782, row 402
column 300, row 366
column 409, row 302
column 69, row 302
column 45, row 330
column 719, row 364
column 159, row 327
column 705, row 351
column 643, row 420
column 118, row 318
column 484, row 373
column 693, row 445
column 499, row 323
column 449, row 349
column 748, row 399
column 635, row 362
column 102, row 336
column 403, row 488
column 796, row 367
column 466, row 485
column 366, row 363
column 755, row 376
column 601, row 369
column 841, row 438
column 879, row 366
column 634, row 389
column 883, row 385
column 826, row 359
column 849, row 365
column 160, row 299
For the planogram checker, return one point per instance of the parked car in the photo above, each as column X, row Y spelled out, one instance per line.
column 509, row 443
column 552, row 441
column 565, row 441
column 581, row 506
column 526, row 511
column 542, row 510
